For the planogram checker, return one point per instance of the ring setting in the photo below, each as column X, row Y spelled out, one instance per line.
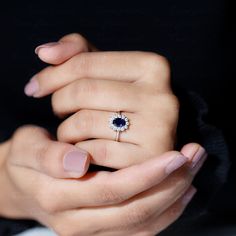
column 119, row 123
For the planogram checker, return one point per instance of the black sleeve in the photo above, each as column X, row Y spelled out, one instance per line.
column 11, row 227
column 193, row 127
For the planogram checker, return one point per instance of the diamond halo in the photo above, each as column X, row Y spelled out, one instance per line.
column 119, row 122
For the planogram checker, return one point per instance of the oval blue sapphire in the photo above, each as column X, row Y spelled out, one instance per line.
column 119, row 122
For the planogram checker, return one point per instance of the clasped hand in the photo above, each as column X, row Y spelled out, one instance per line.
column 47, row 180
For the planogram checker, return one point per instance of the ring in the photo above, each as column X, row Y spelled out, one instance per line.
column 119, row 123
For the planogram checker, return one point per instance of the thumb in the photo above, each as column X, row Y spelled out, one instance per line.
column 34, row 149
column 58, row 52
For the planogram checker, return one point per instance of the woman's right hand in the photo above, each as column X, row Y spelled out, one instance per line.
column 139, row 200
column 29, row 162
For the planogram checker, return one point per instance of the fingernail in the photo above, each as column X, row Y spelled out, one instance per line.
column 199, row 165
column 32, row 87
column 188, row 196
column 176, row 163
column 199, row 155
column 46, row 45
column 75, row 163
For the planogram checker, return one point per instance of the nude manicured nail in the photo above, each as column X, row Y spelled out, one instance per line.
column 75, row 162
column 199, row 165
column 46, row 45
column 188, row 196
column 199, row 155
column 176, row 163
column 32, row 87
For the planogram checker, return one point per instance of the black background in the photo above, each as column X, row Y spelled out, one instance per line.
column 196, row 37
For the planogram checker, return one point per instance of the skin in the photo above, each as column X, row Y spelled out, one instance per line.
column 146, row 204
column 151, row 187
column 93, row 85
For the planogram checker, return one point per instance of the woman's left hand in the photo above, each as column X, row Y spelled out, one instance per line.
column 94, row 85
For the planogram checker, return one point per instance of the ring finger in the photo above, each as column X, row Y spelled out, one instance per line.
column 91, row 124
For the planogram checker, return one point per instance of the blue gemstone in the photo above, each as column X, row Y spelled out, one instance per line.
column 119, row 122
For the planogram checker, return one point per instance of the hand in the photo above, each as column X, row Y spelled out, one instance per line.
column 139, row 200
column 61, row 52
column 94, row 85
column 31, row 160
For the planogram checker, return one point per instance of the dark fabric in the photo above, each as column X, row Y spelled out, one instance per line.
column 196, row 38
column 12, row 227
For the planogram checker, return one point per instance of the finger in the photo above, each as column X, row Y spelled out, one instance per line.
column 169, row 216
column 52, row 158
column 122, row 66
column 91, row 124
column 137, row 212
column 106, row 188
column 121, row 155
column 58, row 52
column 114, row 154
column 194, row 150
column 96, row 94
column 197, row 154
column 112, row 96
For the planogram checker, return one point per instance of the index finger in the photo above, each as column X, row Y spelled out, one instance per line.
column 121, row 66
column 107, row 188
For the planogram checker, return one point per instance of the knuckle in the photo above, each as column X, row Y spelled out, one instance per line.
column 77, row 38
column 63, row 229
column 28, row 130
column 157, row 63
column 101, row 151
column 157, row 69
column 108, row 196
column 64, row 131
column 26, row 139
column 86, row 120
column 26, row 135
column 166, row 102
column 84, row 90
column 172, row 102
column 47, row 201
column 80, row 65
column 55, row 100
column 137, row 215
column 71, row 228
column 86, row 87
column 41, row 154
column 61, row 132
